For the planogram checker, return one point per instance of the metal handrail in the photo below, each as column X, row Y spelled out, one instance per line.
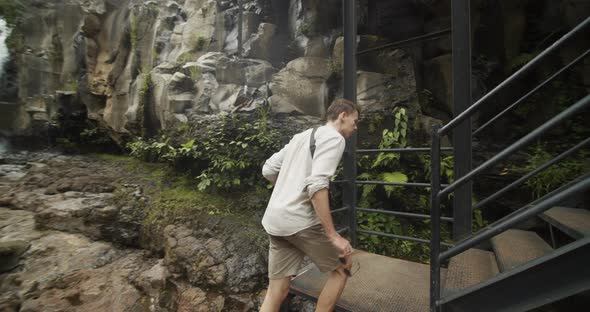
column 393, row 183
column 531, row 174
column 509, row 108
column 413, row 239
column 541, row 199
column 525, row 69
column 492, row 231
column 402, row 214
column 401, row 150
column 404, row 42
column 518, row 144
column 340, row 209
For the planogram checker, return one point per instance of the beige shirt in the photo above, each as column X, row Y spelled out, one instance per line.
column 289, row 209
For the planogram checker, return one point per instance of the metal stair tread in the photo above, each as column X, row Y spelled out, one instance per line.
column 469, row 268
column 516, row 247
column 574, row 222
column 380, row 284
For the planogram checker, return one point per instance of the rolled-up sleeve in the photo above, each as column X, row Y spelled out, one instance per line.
column 272, row 166
column 325, row 161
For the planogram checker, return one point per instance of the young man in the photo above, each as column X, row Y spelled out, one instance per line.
column 298, row 218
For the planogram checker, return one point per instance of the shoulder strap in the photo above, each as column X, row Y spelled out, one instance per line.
column 312, row 141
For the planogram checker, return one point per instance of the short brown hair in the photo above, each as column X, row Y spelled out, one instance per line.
column 341, row 105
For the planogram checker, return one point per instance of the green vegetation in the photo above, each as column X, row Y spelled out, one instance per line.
column 554, row 176
column 11, row 11
column 227, row 158
column 185, row 58
column 335, row 67
column 72, row 85
column 146, row 84
column 199, row 43
column 173, row 197
column 308, row 28
column 133, row 28
column 195, row 73
column 400, row 168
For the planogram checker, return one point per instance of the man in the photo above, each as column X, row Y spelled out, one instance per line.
column 298, row 218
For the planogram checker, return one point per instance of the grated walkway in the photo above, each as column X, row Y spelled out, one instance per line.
column 378, row 283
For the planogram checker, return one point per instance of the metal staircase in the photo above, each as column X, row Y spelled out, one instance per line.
column 519, row 272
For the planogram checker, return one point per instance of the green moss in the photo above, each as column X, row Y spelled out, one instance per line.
column 175, row 197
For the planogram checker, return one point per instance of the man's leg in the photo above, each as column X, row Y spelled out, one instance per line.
column 277, row 291
column 332, row 290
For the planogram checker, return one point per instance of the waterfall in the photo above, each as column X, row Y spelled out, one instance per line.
column 4, row 33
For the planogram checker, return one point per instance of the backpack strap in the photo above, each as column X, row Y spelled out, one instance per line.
column 312, row 141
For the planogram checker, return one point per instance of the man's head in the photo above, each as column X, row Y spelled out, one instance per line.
column 343, row 115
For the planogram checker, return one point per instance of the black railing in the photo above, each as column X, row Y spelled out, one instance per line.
column 527, row 211
column 353, row 209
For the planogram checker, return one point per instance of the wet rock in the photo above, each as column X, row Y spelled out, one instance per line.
column 210, row 262
column 206, row 87
column 243, row 71
column 10, row 253
column 259, row 46
column 301, row 87
column 439, row 80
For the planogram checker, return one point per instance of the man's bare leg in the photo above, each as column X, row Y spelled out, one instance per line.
column 332, row 290
column 277, row 290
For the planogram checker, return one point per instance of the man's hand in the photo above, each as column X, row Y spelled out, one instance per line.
column 343, row 245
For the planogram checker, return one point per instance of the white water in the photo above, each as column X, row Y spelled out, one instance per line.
column 4, row 33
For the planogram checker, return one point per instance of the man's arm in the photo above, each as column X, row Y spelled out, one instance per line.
column 321, row 205
column 325, row 161
column 272, row 166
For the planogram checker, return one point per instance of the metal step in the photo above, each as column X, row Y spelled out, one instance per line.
column 378, row 283
column 559, row 274
column 469, row 268
column 574, row 222
column 516, row 247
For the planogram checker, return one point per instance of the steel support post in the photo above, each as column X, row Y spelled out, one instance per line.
column 240, row 25
column 460, row 14
column 434, row 218
column 349, row 191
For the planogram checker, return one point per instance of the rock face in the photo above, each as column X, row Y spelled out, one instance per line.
column 143, row 66
column 302, row 87
column 57, row 252
column 124, row 61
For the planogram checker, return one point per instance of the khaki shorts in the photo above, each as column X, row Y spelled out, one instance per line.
column 286, row 252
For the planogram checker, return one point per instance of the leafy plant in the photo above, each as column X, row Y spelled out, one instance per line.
column 552, row 177
column 11, row 11
column 199, row 43
column 226, row 158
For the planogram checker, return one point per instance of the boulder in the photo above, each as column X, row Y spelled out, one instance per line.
column 440, row 80
column 208, row 62
column 206, row 87
column 224, row 98
column 181, row 84
column 211, row 262
column 301, row 87
column 377, row 91
column 259, row 46
column 316, row 47
column 250, row 24
column 249, row 72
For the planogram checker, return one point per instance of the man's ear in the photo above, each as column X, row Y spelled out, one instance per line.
column 342, row 115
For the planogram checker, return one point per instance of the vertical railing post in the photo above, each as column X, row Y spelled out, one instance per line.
column 460, row 19
column 240, row 25
column 434, row 218
column 349, row 73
